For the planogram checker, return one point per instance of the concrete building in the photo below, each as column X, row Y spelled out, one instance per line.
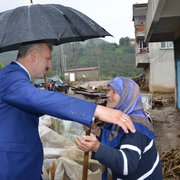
column 82, row 74
column 163, row 24
column 155, row 58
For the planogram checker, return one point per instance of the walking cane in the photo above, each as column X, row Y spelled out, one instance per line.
column 86, row 160
column 86, row 154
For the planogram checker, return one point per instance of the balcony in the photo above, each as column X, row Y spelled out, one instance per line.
column 142, row 57
column 162, row 20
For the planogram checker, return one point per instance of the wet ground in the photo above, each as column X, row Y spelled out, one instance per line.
column 166, row 122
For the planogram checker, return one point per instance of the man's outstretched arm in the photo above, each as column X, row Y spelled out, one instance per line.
column 114, row 116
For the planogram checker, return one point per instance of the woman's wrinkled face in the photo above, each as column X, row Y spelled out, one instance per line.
column 113, row 97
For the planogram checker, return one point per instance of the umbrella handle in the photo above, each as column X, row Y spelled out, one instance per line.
column 86, row 160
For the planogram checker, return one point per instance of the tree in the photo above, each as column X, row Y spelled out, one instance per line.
column 124, row 42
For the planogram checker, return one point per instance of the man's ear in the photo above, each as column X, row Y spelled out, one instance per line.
column 33, row 55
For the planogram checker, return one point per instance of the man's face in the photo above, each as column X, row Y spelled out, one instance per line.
column 43, row 61
column 113, row 97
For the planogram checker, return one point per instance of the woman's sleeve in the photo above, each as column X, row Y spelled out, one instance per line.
column 124, row 160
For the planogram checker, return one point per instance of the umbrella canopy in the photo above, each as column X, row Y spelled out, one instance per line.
column 48, row 22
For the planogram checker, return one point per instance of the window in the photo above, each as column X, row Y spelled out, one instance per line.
column 167, row 45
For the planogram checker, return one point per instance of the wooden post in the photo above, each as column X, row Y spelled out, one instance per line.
column 45, row 81
column 86, row 160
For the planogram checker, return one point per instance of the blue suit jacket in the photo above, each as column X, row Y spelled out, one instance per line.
column 21, row 104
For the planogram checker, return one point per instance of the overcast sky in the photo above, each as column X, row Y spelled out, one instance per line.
column 113, row 15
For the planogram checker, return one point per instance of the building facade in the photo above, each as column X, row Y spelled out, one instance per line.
column 155, row 58
column 163, row 24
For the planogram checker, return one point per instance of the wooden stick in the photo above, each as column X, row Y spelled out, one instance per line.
column 86, row 160
column 174, row 168
column 45, row 81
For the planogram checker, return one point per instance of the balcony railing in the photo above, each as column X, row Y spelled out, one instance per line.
column 142, row 50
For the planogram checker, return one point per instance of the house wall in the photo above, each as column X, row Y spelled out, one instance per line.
column 177, row 68
column 162, row 69
column 147, row 77
column 89, row 75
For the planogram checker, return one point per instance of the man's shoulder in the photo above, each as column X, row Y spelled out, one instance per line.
column 12, row 72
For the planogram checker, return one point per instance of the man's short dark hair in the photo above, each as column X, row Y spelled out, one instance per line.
column 24, row 49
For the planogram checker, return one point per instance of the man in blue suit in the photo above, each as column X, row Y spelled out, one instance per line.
column 21, row 105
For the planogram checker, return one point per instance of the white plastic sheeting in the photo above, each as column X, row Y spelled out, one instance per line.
column 62, row 159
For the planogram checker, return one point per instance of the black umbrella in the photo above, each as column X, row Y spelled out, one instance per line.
column 51, row 22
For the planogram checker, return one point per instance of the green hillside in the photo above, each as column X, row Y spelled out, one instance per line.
column 113, row 59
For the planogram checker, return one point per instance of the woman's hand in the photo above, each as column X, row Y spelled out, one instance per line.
column 87, row 143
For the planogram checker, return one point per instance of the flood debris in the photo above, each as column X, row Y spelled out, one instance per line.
column 171, row 163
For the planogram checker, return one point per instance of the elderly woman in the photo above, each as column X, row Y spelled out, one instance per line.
column 128, row 156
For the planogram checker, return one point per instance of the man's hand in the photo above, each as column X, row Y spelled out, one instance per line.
column 87, row 143
column 115, row 117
